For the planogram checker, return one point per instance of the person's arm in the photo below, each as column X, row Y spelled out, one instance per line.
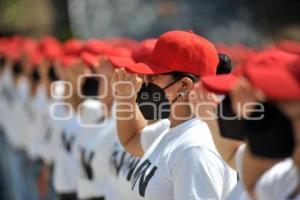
column 130, row 121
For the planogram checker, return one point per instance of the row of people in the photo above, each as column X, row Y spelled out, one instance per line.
column 164, row 119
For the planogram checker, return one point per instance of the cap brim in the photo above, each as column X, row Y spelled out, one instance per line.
column 121, row 61
column 220, row 84
column 276, row 84
column 148, row 68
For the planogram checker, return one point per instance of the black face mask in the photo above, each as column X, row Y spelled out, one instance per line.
column 153, row 103
column 52, row 74
column 271, row 137
column 230, row 127
column 90, row 87
column 17, row 68
column 35, row 75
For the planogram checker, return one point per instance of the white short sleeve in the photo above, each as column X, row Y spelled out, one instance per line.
column 239, row 155
column 197, row 173
column 273, row 184
column 151, row 132
column 239, row 191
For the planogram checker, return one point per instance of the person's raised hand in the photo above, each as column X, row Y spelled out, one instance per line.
column 125, row 85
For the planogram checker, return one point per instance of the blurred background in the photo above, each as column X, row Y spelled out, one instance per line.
column 252, row 22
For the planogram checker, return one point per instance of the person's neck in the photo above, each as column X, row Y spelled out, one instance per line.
column 253, row 168
column 179, row 115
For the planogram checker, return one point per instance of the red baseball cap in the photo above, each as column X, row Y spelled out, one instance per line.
column 123, row 42
column 119, row 52
column 97, row 47
column 271, row 60
column 144, row 50
column 72, row 46
column 277, row 84
column 13, row 51
column 142, row 53
column 34, row 57
column 237, row 53
column 289, row 46
column 181, row 51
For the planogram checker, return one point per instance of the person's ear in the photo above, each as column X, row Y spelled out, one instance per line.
column 186, row 85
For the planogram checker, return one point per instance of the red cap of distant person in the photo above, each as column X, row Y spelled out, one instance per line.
column 270, row 60
column 277, row 84
column 73, row 46
column 97, row 47
column 181, row 51
column 119, row 52
column 50, row 47
column 13, row 51
column 35, row 57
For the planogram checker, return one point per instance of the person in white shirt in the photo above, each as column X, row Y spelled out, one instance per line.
column 269, row 139
column 97, row 179
column 282, row 181
column 90, row 144
column 66, row 168
column 6, row 154
column 182, row 162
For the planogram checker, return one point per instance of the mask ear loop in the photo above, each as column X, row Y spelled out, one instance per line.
column 172, row 83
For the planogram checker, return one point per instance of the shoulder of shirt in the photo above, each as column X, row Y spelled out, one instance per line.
column 276, row 178
column 280, row 170
column 193, row 134
column 198, row 154
column 158, row 124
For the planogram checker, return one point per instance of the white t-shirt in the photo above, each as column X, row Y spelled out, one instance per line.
column 49, row 145
column 279, row 182
column 66, row 166
column 92, row 124
column 20, row 114
column 58, row 114
column 182, row 163
column 6, row 95
column 122, row 167
column 9, row 96
column 37, row 113
column 239, row 192
column 152, row 132
column 123, row 164
column 95, row 162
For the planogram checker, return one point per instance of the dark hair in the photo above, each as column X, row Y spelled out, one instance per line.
column 224, row 66
column 17, row 68
column 2, row 62
column 52, row 74
column 35, row 75
column 178, row 75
